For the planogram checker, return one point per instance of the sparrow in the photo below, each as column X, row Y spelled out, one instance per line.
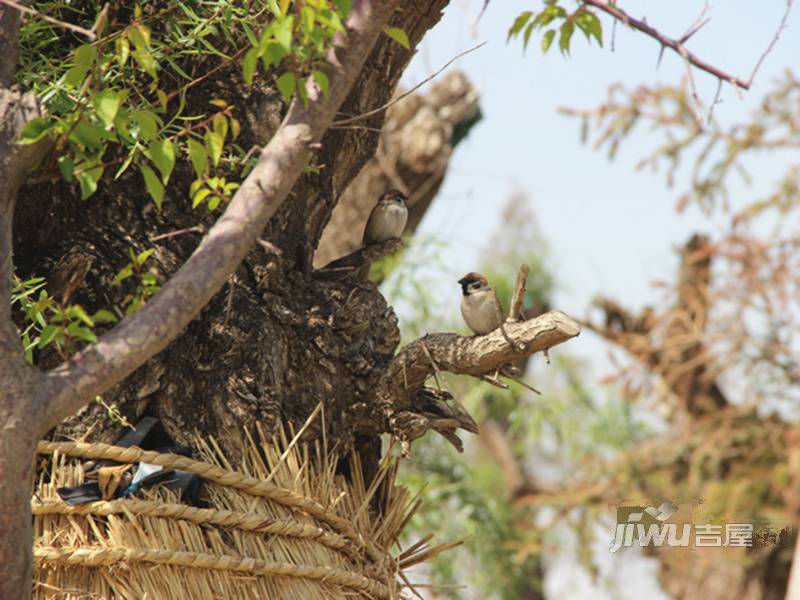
column 388, row 219
column 479, row 304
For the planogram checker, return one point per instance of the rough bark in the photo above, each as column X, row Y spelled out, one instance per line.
column 278, row 339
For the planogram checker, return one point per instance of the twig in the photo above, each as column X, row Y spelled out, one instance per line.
column 269, row 247
column 714, row 102
column 493, row 381
column 433, row 364
column 613, row 34
column 177, row 232
column 675, row 45
column 30, row 11
column 518, row 300
column 774, row 41
column 698, row 24
column 375, row 111
column 522, row 383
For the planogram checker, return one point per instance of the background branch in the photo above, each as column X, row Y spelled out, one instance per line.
column 676, row 45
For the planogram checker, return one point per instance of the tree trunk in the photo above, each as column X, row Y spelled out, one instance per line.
column 280, row 339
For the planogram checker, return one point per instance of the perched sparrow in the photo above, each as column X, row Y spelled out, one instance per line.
column 388, row 219
column 479, row 304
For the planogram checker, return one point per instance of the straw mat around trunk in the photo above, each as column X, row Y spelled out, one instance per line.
column 283, row 525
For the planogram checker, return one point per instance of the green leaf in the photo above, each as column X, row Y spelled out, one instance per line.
column 104, row 316
column 302, row 91
column 399, row 36
column 595, row 28
column 146, row 62
column 67, row 166
column 84, row 56
column 249, row 65
column 123, row 274
column 213, row 202
column 518, row 24
column 123, row 50
column 220, row 126
column 140, row 36
column 283, row 33
column 567, row 29
column 547, row 40
column 199, row 197
column 199, row 156
column 35, row 129
column 273, row 54
column 76, row 310
column 147, row 122
column 287, row 84
column 47, row 335
column 273, row 6
column 142, row 257
column 214, row 145
column 322, row 81
column 88, row 181
column 344, row 6
column 162, row 153
column 527, row 36
column 88, row 134
column 153, row 185
column 107, row 103
column 76, row 330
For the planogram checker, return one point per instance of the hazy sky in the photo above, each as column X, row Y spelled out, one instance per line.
column 610, row 228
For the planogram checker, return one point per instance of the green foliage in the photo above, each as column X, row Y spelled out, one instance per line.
column 145, row 283
column 295, row 43
column 399, row 36
column 120, row 100
column 47, row 322
column 557, row 21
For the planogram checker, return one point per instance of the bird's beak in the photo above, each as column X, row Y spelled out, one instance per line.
column 462, row 281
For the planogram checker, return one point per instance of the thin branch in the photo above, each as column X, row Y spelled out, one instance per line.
column 151, row 329
column 177, row 232
column 675, row 45
column 30, row 11
column 375, row 111
column 774, row 41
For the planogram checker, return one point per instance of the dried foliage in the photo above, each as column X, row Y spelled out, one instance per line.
column 284, row 525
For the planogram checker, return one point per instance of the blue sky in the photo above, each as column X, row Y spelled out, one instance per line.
column 610, row 228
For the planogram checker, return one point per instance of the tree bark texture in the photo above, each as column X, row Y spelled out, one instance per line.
column 278, row 339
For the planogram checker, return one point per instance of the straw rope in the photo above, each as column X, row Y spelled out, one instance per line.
column 233, row 479
column 96, row 557
column 199, row 516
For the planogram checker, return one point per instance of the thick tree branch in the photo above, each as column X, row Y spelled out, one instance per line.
column 147, row 332
column 16, row 109
column 676, row 45
column 477, row 355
